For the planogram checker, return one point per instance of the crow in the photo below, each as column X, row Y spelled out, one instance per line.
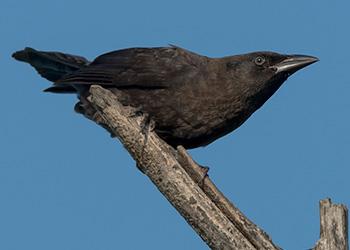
column 192, row 99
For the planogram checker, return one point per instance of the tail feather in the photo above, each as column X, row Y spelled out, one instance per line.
column 59, row 89
column 51, row 65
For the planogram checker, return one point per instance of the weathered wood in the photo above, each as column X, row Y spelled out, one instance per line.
column 333, row 226
column 254, row 234
column 158, row 161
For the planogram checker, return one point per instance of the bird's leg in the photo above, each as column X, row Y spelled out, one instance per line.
column 147, row 125
column 135, row 112
column 204, row 170
column 204, row 173
column 197, row 172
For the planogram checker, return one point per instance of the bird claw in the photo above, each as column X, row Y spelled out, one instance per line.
column 136, row 112
column 147, row 126
column 204, row 170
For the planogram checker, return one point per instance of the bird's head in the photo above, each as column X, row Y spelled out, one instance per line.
column 260, row 74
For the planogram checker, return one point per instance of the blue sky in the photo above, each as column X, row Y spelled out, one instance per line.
column 65, row 184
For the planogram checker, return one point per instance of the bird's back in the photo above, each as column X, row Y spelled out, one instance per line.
column 137, row 68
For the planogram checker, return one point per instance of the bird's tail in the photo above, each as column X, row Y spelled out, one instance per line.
column 52, row 65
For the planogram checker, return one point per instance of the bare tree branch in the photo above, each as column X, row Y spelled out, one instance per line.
column 215, row 219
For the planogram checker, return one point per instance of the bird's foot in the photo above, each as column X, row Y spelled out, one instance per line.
column 204, row 174
column 197, row 172
column 147, row 126
column 135, row 111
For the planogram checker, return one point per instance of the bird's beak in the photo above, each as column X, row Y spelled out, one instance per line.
column 293, row 63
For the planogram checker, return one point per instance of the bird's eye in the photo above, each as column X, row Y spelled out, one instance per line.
column 259, row 60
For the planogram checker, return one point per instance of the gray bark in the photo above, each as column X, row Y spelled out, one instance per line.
column 333, row 226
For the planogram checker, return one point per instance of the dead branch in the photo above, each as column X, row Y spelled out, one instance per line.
column 333, row 226
column 215, row 219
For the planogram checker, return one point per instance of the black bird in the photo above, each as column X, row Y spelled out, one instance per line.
column 192, row 99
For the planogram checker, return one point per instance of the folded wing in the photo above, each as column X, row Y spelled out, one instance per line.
column 136, row 67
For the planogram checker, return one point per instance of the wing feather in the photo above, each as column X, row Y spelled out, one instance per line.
column 143, row 67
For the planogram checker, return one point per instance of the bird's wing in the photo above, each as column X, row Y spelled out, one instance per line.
column 137, row 67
